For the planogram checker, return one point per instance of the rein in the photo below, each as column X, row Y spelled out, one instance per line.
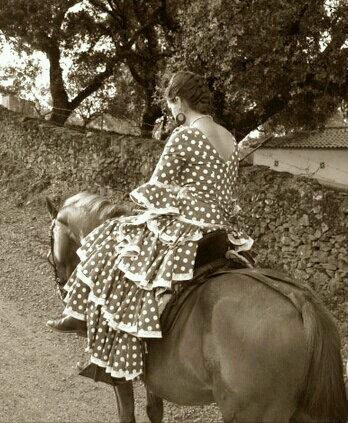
column 50, row 257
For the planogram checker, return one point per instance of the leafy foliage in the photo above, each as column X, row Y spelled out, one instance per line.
column 94, row 39
column 268, row 60
column 269, row 63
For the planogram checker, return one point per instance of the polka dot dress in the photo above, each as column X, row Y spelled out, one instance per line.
column 129, row 263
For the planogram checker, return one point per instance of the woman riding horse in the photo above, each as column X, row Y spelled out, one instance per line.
column 116, row 293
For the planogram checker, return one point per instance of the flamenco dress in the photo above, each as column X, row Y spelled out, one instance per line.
column 129, row 263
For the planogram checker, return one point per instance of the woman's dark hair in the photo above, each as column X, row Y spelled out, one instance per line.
column 191, row 87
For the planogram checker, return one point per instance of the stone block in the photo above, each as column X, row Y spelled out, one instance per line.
column 330, row 266
column 334, row 284
column 317, row 234
column 342, row 258
column 145, row 169
column 330, row 273
column 317, row 196
column 340, row 239
column 304, row 220
column 324, row 227
column 320, row 278
column 285, row 240
column 304, row 251
column 314, row 259
column 325, row 246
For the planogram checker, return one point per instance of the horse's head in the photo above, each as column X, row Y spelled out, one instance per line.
column 63, row 246
column 78, row 216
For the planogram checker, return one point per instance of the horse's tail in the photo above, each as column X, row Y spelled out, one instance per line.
column 324, row 397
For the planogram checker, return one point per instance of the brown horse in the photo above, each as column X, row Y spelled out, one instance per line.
column 240, row 344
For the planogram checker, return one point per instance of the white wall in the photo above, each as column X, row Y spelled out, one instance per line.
column 4, row 100
column 107, row 122
column 327, row 166
column 16, row 104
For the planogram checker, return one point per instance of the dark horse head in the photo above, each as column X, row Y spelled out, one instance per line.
column 78, row 216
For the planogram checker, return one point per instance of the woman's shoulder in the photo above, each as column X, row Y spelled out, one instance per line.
column 210, row 127
column 180, row 130
column 182, row 134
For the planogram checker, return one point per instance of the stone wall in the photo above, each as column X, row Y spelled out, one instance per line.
column 298, row 225
column 71, row 159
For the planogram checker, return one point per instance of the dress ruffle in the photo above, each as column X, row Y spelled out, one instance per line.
column 150, row 256
column 125, row 268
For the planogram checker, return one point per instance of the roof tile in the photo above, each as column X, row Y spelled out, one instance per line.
column 328, row 138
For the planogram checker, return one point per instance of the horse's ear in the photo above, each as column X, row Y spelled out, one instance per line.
column 51, row 208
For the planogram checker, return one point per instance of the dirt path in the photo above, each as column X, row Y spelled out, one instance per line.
column 36, row 384
column 39, row 380
column 38, row 375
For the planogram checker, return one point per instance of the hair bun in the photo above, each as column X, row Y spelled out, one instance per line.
column 191, row 87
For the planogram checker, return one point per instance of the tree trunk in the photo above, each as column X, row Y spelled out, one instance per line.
column 60, row 115
column 61, row 109
column 151, row 113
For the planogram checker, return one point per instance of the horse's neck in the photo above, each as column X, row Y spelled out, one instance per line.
column 82, row 222
column 82, row 225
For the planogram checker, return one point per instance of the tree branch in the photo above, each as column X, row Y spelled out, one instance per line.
column 166, row 18
column 95, row 84
column 251, row 120
column 139, row 79
column 144, row 25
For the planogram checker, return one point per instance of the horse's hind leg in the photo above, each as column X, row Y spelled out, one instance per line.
column 154, row 407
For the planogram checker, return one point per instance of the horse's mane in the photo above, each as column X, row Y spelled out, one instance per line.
column 95, row 204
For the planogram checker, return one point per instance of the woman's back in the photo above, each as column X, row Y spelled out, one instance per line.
column 221, row 139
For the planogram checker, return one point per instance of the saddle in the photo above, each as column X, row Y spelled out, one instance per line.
column 214, row 246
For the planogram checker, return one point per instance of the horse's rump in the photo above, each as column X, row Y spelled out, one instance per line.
column 277, row 281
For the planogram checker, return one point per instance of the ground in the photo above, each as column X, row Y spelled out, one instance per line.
column 39, row 377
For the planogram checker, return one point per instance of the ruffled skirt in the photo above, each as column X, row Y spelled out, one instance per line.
column 127, row 264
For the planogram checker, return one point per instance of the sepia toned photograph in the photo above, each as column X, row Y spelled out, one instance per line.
column 173, row 211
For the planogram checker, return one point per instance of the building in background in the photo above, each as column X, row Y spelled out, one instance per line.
column 16, row 104
column 322, row 155
column 108, row 122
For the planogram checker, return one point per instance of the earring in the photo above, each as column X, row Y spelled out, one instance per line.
column 180, row 118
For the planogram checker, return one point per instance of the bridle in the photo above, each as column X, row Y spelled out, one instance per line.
column 59, row 282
